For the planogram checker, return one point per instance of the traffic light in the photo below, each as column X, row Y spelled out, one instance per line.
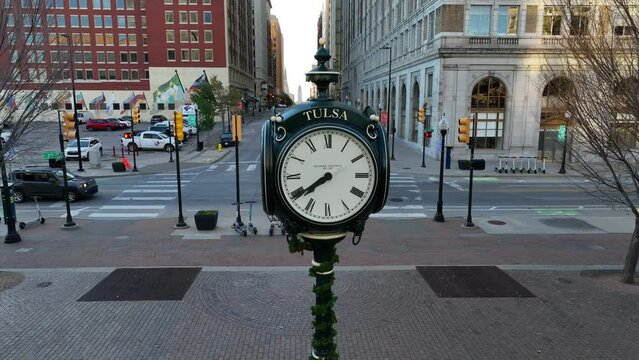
column 236, row 129
column 464, row 130
column 69, row 126
column 136, row 115
column 421, row 115
column 179, row 126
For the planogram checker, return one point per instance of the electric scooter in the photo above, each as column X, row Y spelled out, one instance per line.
column 39, row 220
column 252, row 228
column 239, row 227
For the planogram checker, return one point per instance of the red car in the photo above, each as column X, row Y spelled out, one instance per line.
column 103, row 124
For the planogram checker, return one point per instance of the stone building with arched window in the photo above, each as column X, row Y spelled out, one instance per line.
column 457, row 58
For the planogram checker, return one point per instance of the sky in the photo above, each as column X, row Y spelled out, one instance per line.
column 299, row 29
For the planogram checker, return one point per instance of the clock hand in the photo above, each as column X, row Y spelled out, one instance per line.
column 318, row 182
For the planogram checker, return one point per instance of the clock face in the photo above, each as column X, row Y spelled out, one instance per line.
column 327, row 175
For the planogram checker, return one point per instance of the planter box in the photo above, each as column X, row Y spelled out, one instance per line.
column 205, row 221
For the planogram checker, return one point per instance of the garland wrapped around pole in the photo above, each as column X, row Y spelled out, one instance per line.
column 322, row 269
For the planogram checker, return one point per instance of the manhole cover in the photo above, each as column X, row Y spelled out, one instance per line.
column 496, row 222
column 396, row 199
column 406, row 168
column 44, row 284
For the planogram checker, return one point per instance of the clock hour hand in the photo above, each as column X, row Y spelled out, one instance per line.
column 318, row 182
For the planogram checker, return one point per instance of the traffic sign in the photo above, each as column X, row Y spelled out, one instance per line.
column 51, row 155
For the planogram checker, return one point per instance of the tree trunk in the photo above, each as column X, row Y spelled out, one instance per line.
column 629, row 267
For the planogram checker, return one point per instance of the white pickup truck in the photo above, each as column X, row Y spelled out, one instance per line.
column 153, row 140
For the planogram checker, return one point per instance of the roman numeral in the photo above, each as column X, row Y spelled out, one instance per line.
column 357, row 192
column 328, row 141
column 327, row 209
column 294, row 177
column 344, row 147
column 310, row 205
column 310, row 144
column 345, row 206
column 361, row 175
column 357, row 158
column 298, row 159
column 297, row 192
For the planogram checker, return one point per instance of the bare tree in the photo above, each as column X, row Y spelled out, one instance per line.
column 600, row 95
column 33, row 62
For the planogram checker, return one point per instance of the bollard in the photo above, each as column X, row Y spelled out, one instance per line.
column 128, row 151
column 137, row 151
column 122, row 151
column 113, row 150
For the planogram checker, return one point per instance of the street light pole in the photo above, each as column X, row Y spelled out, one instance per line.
column 135, row 148
column 75, row 101
column 181, row 224
column 70, row 224
column 443, row 129
column 388, row 96
column 562, row 169
column 7, row 203
column 469, row 217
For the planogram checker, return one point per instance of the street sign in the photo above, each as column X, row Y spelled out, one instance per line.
column 51, row 155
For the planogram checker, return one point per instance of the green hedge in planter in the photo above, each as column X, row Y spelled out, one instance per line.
column 206, row 219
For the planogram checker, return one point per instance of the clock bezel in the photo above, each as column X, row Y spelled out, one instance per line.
column 294, row 140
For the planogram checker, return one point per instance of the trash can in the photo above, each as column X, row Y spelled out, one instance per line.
column 118, row 166
column 94, row 157
column 200, row 145
column 449, row 149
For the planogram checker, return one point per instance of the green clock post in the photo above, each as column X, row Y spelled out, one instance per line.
column 325, row 169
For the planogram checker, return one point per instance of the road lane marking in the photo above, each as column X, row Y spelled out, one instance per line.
column 399, row 215
column 166, row 181
column 131, row 207
column 150, row 191
column 123, row 215
column 143, row 198
column 401, row 181
column 251, row 167
column 402, row 185
column 230, row 168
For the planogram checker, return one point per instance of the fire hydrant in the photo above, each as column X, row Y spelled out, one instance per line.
column 219, row 147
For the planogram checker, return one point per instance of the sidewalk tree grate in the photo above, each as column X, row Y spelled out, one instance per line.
column 143, row 284
column 496, row 222
column 472, row 282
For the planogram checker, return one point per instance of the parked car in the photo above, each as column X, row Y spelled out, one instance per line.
column 227, row 139
column 125, row 121
column 49, row 183
column 157, row 118
column 164, row 125
column 84, row 116
column 147, row 140
column 86, row 145
column 103, row 124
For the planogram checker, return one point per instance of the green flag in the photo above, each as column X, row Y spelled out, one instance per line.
column 170, row 92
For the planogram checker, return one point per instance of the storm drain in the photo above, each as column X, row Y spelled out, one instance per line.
column 472, row 282
column 143, row 284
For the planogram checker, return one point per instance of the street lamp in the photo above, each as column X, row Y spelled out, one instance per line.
column 388, row 104
column 443, row 129
column 7, row 203
column 562, row 169
column 75, row 102
column 70, row 224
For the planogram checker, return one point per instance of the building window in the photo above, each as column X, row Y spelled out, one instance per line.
column 135, row 75
column 124, row 57
column 61, row 22
column 108, row 39
column 108, row 22
column 79, row 74
column 146, row 74
column 89, row 74
column 182, row 2
column 488, row 104
column 86, row 39
column 119, row 4
column 102, row 74
column 170, row 54
column 208, row 55
column 184, row 55
column 122, row 39
column 160, row 106
column 194, row 36
column 84, row 4
column 143, row 21
column 77, row 57
column 579, row 20
column 195, row 55
column 431, row 26
column 552, row 20
column 125, row 74
column 168, row 2
column 207, row 17
column 97, row 4
column 184, row 36
column 130, row 5
column 168, row 17
column 479, row 20
column 170, row 36
column 121, row 22
column 106, row 4
column 101, row 57
column 88, row 57
column 97, row 21
column 507, row 20
column 75, row 21
column 184, row 17
column 206, row 2
column 73, row 4
column 171, row 106
column 430, row 85
column 193, row 17
column 110, row 57
column 146, row 58
column 193, row 2
column 130, row 19
column 112, row 74
column 133, row 41
column 133, row 58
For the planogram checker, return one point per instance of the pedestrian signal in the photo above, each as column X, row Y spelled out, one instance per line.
column 464, row 130
column 69, row 125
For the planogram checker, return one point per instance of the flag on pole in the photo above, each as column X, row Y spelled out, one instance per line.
column 99, row 100
column 127, row 101
column 139, row 98
column 80, row 100
column 109, row 103
column 10, row 103
column 61, row 99
column 197, row 84
column 169, row 92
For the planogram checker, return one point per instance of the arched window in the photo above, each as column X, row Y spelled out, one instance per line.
column 625, row 127
column 488, row 104
column 552, row 122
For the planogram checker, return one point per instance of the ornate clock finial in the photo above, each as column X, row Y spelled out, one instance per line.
column 322, row 75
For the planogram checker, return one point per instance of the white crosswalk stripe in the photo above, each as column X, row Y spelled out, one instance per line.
column 251, row 167
column 230, row 168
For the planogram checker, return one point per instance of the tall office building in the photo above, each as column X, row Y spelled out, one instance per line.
column 457, row 58
column 277, row 50
column 125, row 47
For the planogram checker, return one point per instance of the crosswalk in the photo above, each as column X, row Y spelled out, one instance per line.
column 404, row 191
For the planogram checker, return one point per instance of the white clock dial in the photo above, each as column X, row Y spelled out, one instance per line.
column 327, row 175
